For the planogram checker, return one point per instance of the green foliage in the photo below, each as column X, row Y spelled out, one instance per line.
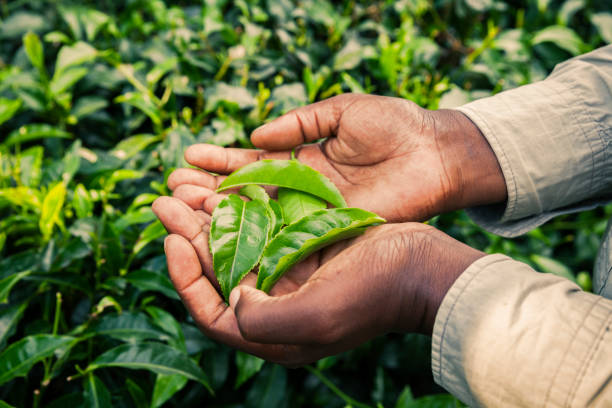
column 307, row 235
column 98, row 100
column 238, row 235
column 285, row 173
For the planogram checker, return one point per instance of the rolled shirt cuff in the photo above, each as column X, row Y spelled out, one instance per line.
column 551, row 140
column 506, row 335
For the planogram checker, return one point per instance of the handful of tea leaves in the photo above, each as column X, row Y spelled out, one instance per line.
column 278, row 234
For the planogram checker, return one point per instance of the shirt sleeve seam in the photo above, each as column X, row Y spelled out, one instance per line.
column 583, row 370
column 562, row 362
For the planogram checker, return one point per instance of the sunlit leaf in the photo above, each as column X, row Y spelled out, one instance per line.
column 51, row 212
column 31, row 132
column 562, row 37
column 75, row 54
column 34, row 49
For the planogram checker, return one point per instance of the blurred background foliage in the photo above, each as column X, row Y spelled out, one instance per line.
column 98, row 100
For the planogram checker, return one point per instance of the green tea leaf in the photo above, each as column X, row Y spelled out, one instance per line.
column 168, row 323
column 603, row 22
column 75, row 54
column 553, row 266
column 247, row 366
column 155, row 357
column 165, row 387
column 273, row 209
column 148, row 280
column 8, row 108
column 238, row 234
column 127, row 326
column 27, row 133
column 52, row 210
column 269, row 388
column 133, row 145
column 34, row 50
column 7, row 284
column 563, row 37
column 285, row 173
column 66, row 79
column 82, row 202
column 19, row 357
column 96, row 394
column 309, row 234
column 9, row 316
column 152, row 232
column 297, row 204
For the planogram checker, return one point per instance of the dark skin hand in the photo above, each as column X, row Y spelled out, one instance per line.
column 393, row 278
column 385, row 155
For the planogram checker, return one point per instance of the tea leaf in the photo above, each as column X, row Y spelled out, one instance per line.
column 285, row 173
column 275, row 214
column 309, row 234
column 95, row 392
column 296, row 204
column 155, row 357
column 52, row 210
column 31, row 132
column 19, row 357
column 238, row 234
column 165, row 387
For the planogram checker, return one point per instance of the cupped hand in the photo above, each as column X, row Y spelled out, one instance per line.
column 391, row 279
column 385, row 155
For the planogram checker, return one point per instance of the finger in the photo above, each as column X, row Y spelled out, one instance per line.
column 300, row 317
column 225, row 160
column 302, row 125
column 192, row 195
column 192, row 176
column 177, row 217
column 210, row 312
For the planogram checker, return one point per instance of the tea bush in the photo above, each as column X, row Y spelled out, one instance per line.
column 98, row 100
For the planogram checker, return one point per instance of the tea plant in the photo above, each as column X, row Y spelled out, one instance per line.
column 99, row 99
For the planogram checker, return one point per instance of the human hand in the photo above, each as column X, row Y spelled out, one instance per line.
column 386, row 155
column 391, row 279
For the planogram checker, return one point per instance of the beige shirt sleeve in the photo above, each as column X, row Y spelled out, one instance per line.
column 552, row 139
column 507, row 336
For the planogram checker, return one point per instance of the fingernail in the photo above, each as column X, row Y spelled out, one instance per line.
column 234, row 296
column 166, row 243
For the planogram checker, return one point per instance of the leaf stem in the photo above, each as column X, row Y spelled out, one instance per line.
column 58, row 307
column 349, row 401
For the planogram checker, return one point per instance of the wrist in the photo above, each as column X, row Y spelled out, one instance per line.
column 434, row 261
column 475, row 176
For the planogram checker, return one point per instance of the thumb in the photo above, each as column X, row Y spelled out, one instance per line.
column 302, row 125
column 296, row 318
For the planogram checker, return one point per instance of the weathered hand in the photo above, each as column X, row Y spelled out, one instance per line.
column 392, row 278
column 385, row 155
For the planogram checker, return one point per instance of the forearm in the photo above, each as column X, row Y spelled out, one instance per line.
column 551, row 140
column 528, row 339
